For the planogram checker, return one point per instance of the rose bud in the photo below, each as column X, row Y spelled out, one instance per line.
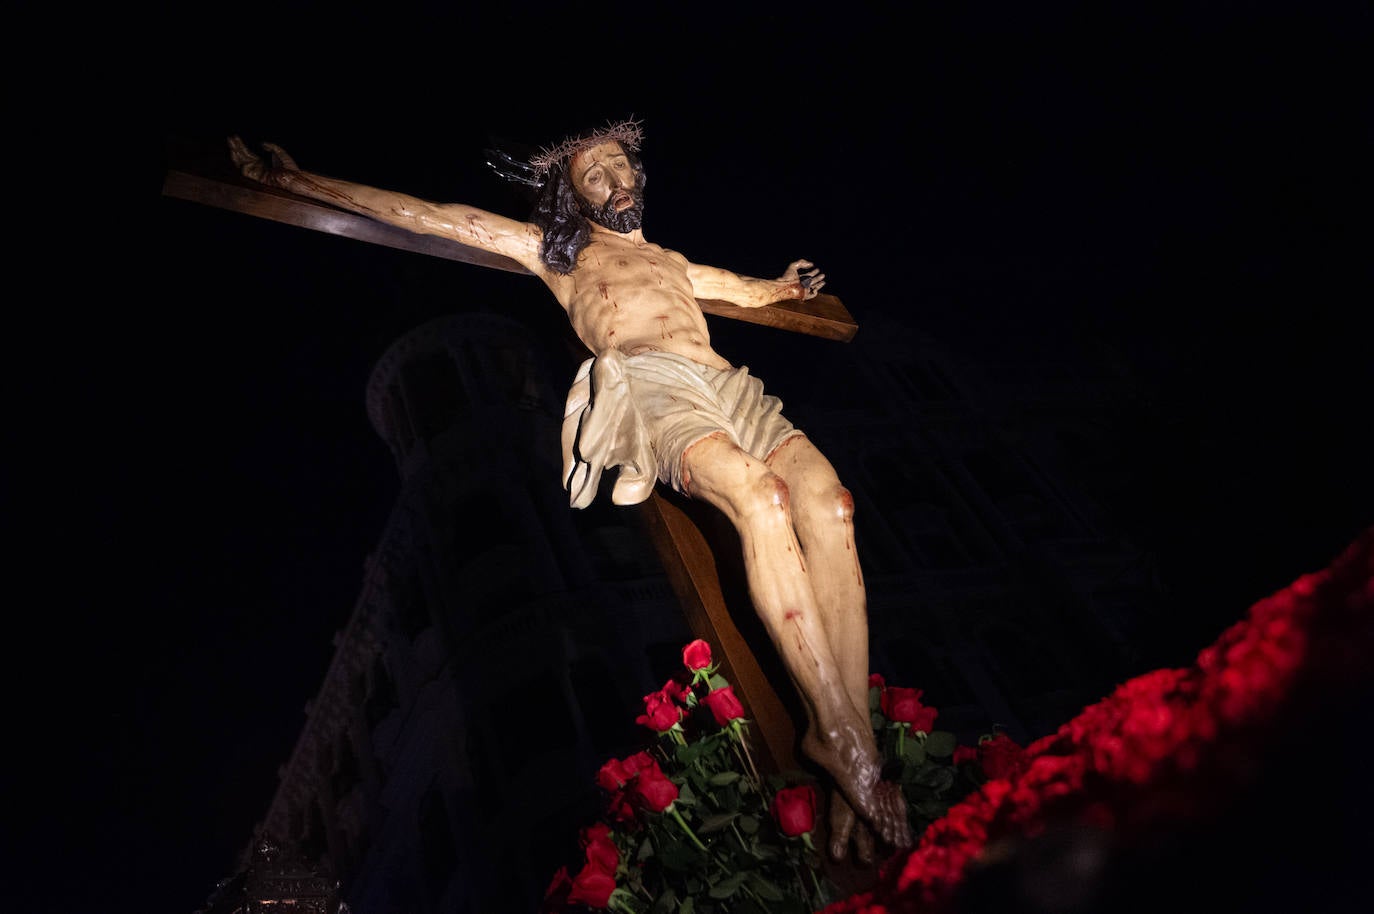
column 794, row 808
column 697, row 655
column 724, row 706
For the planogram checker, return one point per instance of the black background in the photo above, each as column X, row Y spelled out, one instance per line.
column 1187, row 185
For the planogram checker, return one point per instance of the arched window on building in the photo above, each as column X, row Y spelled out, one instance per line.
column 434, row 392
column 509, row 372
column 381, row 695
column 314, row 842
column 345, row 775
column 398, row 417
column 619, row 549
column 408, row 606
column 438, row 849
column 540, row 690
column 608, row 721
column 492, row 551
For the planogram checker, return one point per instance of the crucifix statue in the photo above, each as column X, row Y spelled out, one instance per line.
column 658, row 404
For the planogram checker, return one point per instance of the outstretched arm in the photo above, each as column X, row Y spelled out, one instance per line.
column 801, row 281
column 465, row 224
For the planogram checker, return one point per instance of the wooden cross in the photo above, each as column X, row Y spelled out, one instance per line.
column 708, row 582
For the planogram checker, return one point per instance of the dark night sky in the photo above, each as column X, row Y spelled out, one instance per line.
column 1181, row 184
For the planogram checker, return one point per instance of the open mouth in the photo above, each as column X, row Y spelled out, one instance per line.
column 622, row 201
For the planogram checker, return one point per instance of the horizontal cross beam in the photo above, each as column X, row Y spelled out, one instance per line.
column 823, row 316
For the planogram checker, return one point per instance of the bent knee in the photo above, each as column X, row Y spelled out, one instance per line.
column 830, row 503
column 768, row 495
column 842, row 502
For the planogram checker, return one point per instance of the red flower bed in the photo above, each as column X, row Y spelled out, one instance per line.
column 1173, row 771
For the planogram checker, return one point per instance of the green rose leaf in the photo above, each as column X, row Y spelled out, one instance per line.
column 687, row 906
column 725, row 777
column 729, row 885
column 666, row 903
column 688, row 754
column 877, row 720
column 941, row 743
column 913, row 753
column 716, row 823
column 937, row 777
column 679, row 857
column 764, row 888
column 749, row 824
column 718, row 681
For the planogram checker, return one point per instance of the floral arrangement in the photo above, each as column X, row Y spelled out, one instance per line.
column 933, row 770
column 690, row 825
column 1172, row 750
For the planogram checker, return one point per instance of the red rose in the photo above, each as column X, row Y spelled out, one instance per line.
column 600, row 849
column 556, row 895
column 618, row 808
column 697, row 655
column 904, row 707
column 661, row 712
column 964, row 754
column 794, row 808
column 724, row 706
column 654, row 788
column 675, row 690
column 876, row 681
column 592, row 887
column 638, row 762
column 613, row 775
column 1001, row 757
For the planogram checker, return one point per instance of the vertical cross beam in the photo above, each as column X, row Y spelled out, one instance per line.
column 701, row 558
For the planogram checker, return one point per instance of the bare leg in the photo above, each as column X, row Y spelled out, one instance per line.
column 839, row 737
column 823, row 518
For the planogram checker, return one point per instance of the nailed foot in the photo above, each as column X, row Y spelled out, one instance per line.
column 844, row 826
column 853, row 762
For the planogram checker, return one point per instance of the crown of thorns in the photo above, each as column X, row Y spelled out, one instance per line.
column 627, row 133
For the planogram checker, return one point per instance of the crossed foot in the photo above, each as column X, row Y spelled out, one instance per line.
column 863, row 800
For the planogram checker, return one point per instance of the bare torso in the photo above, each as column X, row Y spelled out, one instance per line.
column 632, row 295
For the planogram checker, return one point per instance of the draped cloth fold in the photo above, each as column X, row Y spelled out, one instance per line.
column 642, row 413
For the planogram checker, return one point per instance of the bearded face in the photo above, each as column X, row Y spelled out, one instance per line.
column 608, row 185
column 625, row 220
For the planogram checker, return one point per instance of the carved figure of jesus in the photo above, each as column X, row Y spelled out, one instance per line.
column 658, row 403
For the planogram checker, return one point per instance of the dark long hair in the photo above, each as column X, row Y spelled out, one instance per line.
column 556, row 212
